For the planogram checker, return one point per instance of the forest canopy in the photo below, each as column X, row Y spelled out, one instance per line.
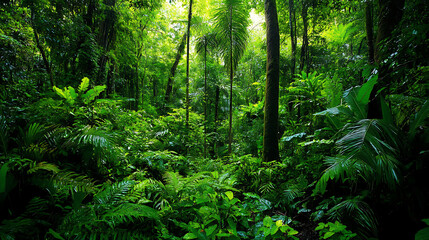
column 214, row 119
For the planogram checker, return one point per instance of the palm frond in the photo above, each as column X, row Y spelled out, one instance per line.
column 33, row 134
column 358, row 212
column 375, row 145
column 231, row 21
column 339, row 167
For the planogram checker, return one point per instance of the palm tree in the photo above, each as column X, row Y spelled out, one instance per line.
column 187, row 62
column 231, row 21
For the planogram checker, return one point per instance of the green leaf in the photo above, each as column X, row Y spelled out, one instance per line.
column 328, row 235
column 292, row 232
column 59, row 92
column 387, row 114
column 267, row 221
column 422, row 234
column 230, row 195
column 83, row 85
column 274, row 229
column 320, row 227
column 232, row 225
column 418, row 120
column 211, row 229
column 365, row 90
column 55, row 234
column 3, row 174
column 189, row 236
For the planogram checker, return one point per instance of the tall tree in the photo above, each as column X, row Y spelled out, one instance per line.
column 231, row 21
column 369, row 30
column 187, row 61
column 390, row 12
column 207, row 40
column 40, row 47
column 271, row 108
column 106, row 38
column 304, row 48
column 292, row 26
column 179, row 53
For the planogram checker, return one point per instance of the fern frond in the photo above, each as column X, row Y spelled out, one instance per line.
column 74, row 182
column 128, row 212
column 92, row 136
column 114, row 194
column 43, row 166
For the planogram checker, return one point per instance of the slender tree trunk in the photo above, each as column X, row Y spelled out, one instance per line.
column 110, row 83
column 216, row 115
column 369, row 30
column 292, row 37
column 187, row 62
column 205, row 98
column 137, row 87
column 271, row 145
column 179, row 53
column 42, row 51
column 106, row 38
column 304, row 48
column 390, row 12
column 231, row 78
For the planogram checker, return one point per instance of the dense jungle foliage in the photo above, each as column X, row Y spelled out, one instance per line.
column 214, row 119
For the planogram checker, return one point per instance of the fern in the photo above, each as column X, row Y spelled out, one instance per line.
column 128, row 212
column 108, row 214
column 114, row 194
column 92, row 136
column 73, row 182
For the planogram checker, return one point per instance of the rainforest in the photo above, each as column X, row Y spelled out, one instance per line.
column 214, row 119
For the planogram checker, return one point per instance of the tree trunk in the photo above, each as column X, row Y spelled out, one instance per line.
column 179, row 53
column 106, row 38
column 110, row 83
column 187, row 62
column 216, row 116
column 369, row 30
column 390, row 12
column 231, row 78
column 205, row 99
column 42, row 51
column 304, row 48
column 271, row 145
column 292, row 37
column 137, row 88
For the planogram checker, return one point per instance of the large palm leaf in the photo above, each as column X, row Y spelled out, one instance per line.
column 231, row 21
column 368, row 151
